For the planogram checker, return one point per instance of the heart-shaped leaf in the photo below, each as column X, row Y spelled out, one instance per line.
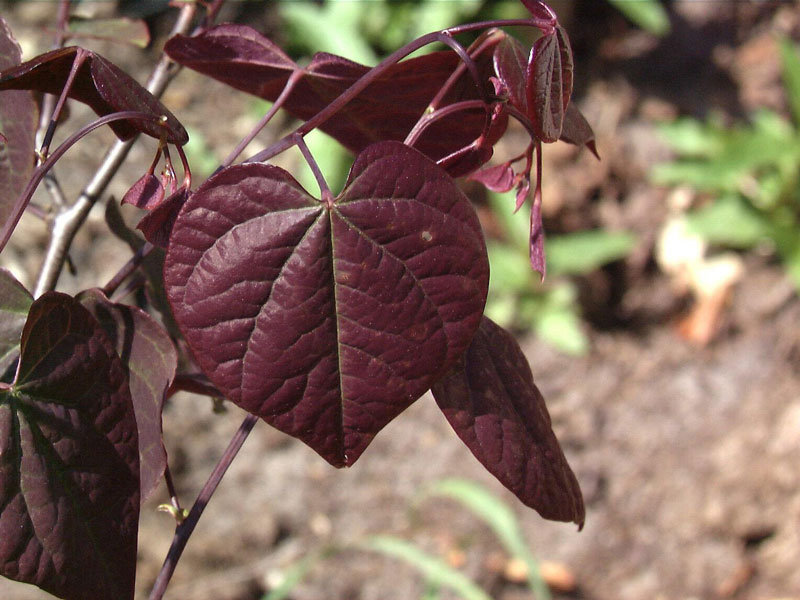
column 549, row 84
column 328, row 320
column 150, row 360
column 15, row 302
column 101, row 85
column 386, row 110
column 494, row 406
column 69, row 463
column 18, row 117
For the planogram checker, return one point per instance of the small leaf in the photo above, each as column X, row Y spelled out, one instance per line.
column 69, row 464
column 499, row 178
column 101, row 85
column 15, row 302
column 328, row 321
column 150, row 361
column 549, row 84
column 436, row 571
column 156, row 226
column 146, row 193
column 491, row 401
column 18, row 120
column 576, row 129
column 510, row 64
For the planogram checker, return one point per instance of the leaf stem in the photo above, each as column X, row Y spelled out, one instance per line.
column 127, row 269
column 324, row 190
column 185, row 529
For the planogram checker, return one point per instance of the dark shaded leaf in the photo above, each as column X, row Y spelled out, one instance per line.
column 15, row 302
column 101, row 85
column 328, row 321
column 146, row 193
column 156, row 226
column 549, row 84
column 18, row 119
column 386, row 110
column 494, row 406
column 577, row 130
column 150, row 360
column 69, row 464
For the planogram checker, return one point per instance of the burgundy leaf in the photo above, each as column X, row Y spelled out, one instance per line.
column 577, row 130
column 499, row 178
column 538, row 9
column 157, row 224
column 538, row 262
column 549, row 84
column 15, row 302
column 494, row 406
column 146, row 193
column 101, row 85
column 328, row 321
column 510, row 65
column 18, row 120
column 150, row 360
column 386, row 110
column 69, row 465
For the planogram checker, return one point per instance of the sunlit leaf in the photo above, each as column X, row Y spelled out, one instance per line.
column 15, row 302
column 328, row 321
column 549, row 84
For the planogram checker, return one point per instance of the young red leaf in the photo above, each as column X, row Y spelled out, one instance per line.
column 156, row 225
column 146, row 193
column 328, row 321
column 577, row 130
column 510, row 64
column 69, row 463
column 18, row 120
column 386, row 110
column 496, row 409
column 102, row 86
column 15, row 302
column 499, row 178
column 549, row 84
column 150, row 361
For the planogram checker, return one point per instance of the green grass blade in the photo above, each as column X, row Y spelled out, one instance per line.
column 500, row 518
column 436, row 572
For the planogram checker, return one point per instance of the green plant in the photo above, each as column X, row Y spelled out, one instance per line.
column 650, row 15
column 747, row 175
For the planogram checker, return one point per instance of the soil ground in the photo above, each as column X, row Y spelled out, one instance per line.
column 687, row 453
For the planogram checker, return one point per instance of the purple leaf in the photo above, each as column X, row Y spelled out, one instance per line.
column 101, row 85
column 549, row 84
column 146, row 193
column 150, row 361
column 69, row 464
column 386, row 110
column 510, row 65
column 494, row 406
column 499, row 178
column 15, row 302
column 18, row 119
column 156, row 226
column 328, row 321
column 577, row 130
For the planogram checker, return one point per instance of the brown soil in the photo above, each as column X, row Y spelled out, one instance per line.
column 687, row 454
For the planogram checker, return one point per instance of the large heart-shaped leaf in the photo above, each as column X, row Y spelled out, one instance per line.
column 494, row 406
column 101, row 85
column 328, row 320
column 15, row 302
column 18, row 116
column 150, row 361
column 69, row 464
column 386, row 110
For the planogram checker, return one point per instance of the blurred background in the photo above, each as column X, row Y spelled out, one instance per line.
column 665, row 337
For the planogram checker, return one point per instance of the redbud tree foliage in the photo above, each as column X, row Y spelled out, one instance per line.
column 325, row 315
